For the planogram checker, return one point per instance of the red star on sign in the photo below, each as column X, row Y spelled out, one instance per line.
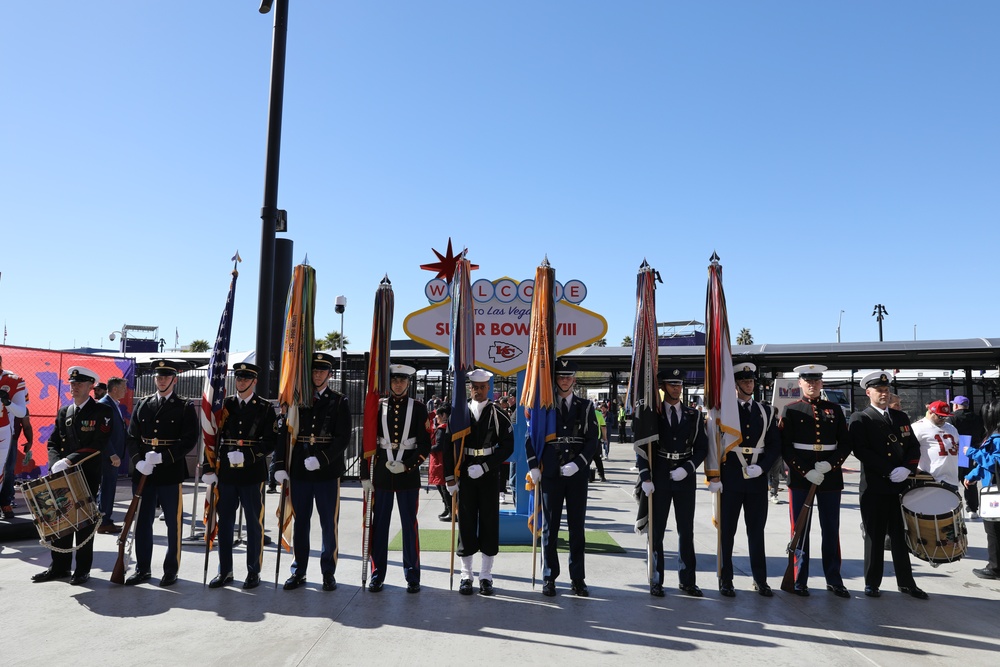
column 445, row 266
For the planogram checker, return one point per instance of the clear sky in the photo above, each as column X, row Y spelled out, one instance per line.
column 836, row 155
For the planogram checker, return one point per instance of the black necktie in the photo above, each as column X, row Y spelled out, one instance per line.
column 565, row 411
column 673, row 416
column 888, row 417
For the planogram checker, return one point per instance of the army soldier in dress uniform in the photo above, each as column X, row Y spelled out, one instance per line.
column 313, row 471
column 164, row 428
column 489, row 444
column 246, row 436
column 82, row 428
column 744, row 484
column 814, row 444
column 681, row 448
column 403, row 445
column 562, row 473
column 889, row 454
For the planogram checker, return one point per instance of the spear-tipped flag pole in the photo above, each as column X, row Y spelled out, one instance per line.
column 724, row 431
column 643, row 397
column 539, row 383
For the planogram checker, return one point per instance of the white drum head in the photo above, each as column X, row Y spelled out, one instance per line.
column 930, row 500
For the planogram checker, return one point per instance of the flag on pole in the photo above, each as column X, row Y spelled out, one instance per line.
column 643, row 397
column 724, row 431
column 463, row 354
column 378, row 364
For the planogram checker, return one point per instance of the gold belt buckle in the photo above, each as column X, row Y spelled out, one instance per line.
column 312, row 439
column 395, row 446
column 154, row 442
column 239, row 443
column 817, row 448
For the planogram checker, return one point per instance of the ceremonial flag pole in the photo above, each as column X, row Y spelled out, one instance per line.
column 724, row 431
column 643, row 397
column 539, row 384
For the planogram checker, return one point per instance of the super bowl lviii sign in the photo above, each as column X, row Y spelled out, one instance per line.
column 503, row 318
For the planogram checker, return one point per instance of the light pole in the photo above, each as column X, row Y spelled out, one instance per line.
column 879, row 313
column 839, row 320
column 340, row 305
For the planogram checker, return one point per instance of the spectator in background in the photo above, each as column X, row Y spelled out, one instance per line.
column 440, row 440
column 970, row 425
column 938, row 445
column 986, row 455
column 100, row 391
column 112, row 458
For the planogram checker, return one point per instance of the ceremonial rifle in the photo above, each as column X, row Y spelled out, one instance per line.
column 798, row 535
column 126, row 537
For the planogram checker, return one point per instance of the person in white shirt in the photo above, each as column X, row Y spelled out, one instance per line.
column 938, row 444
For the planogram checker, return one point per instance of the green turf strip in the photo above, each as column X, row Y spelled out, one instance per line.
column 598, row 542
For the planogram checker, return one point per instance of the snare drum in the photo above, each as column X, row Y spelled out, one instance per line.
column 933, row 525
column 61, row 504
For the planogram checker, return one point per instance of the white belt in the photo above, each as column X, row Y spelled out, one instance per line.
column 814, row 448
column 409, row 443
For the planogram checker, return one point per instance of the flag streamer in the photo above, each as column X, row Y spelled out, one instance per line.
column 724, row 431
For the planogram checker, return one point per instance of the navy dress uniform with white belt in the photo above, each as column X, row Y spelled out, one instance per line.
column 814, row 431
column 167, row 428
column 682, row 443
column 403, row 445
column 249, row 428
column 761, row 447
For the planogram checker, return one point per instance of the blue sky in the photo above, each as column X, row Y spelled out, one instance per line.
column 835, row 155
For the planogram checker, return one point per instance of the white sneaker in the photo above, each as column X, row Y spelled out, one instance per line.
column 503, row 498
column 973, row 515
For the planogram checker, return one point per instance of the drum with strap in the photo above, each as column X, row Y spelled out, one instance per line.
column 933, row 524
column 61, row 504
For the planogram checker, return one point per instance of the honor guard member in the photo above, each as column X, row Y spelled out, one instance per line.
column 744, row 484
column 563, row 476
column 313, row 472
column 889, row 454
column 489, row 444
column 403, row 445
column 814, row 444
column 82, row 429
column 680, row 449
column 164, row 428
column 245, row 437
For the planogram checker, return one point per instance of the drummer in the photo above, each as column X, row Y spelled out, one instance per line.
column 938, row 445
column 889, row 452
column 82, row 429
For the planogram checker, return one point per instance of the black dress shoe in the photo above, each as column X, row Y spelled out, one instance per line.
column 872, row 591
column 137, row 578
column 374, row 586
column 168, row 580
column 726, row 589
column 486, row 587
column 549, row 589
column 294, row 581
column 48, row 575
column 691, row 589
column 329, row 582
column 839, row 591
column 763, row 589
column 580, row 588
column 272, row 489
column 913, row 592
column 78, row 579
column 445, row 513
column 465, row 587
column 446, row 518
column 252, row 581
column 221, row 580
column 413, row 587
column 656, row 590
column 985, row 573
column 801, row 591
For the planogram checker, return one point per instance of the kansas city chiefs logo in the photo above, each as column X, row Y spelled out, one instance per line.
column 502, row 352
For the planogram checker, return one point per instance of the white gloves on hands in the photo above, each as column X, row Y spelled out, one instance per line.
column 236, row 459
column 536, row 476
column 452, row 488
column 815, row 477
column 395, row 467
column 210, row 478
column 311, row 463
column 898, row 474
column 60, row 465
column 715, row 487
column 367, row 485
column 476, row 471
column 677, row 474
column 145, row 467
column 754, row 470
column 280, row 476
column 569, row 469
column 155, row 458
column 647, row 488
column 822, row 467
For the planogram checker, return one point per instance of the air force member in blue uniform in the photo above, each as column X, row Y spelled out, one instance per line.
column 403, row 445
column 681, row 448
column 744, row 485
column 245, row 438
column 562, row 473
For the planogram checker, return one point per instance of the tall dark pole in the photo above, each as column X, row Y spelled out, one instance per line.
column 269, row 212
column 879, row 313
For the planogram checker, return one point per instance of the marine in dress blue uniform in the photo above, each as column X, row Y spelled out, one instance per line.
column 82, row 428
column 403, row 445
column 680, row 449
column 245, row 437
column 814, row 444
column 889, row 454
column 164, row 428
column 562, row 471
column 313, row 465
column 744, row 485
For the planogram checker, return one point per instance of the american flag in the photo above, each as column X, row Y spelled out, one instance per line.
column 215, row 382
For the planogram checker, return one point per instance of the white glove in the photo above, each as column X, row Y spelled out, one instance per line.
column 715, row 487
column 155, row 458
column 210, row 478
column 815, row 477
column 145, row 467
column 311, row 463
column 236, row 459
column 395, row 467
column 452, row 488
column 536, row 476
column 898, row 474
column 677, row 474
column 647, row 488
column 569, row 469
column 280, row 476
column 822, row 467
column 754, row 470
column 367, row 485
column 59, row 465
column 476, row 471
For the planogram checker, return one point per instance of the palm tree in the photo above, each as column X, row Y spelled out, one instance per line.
column 627, row 341
column 744, row 338
column 600, row 343
column 199, row 346
column 332, row 341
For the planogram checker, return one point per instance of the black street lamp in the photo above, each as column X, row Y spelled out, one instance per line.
column 879, row 313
